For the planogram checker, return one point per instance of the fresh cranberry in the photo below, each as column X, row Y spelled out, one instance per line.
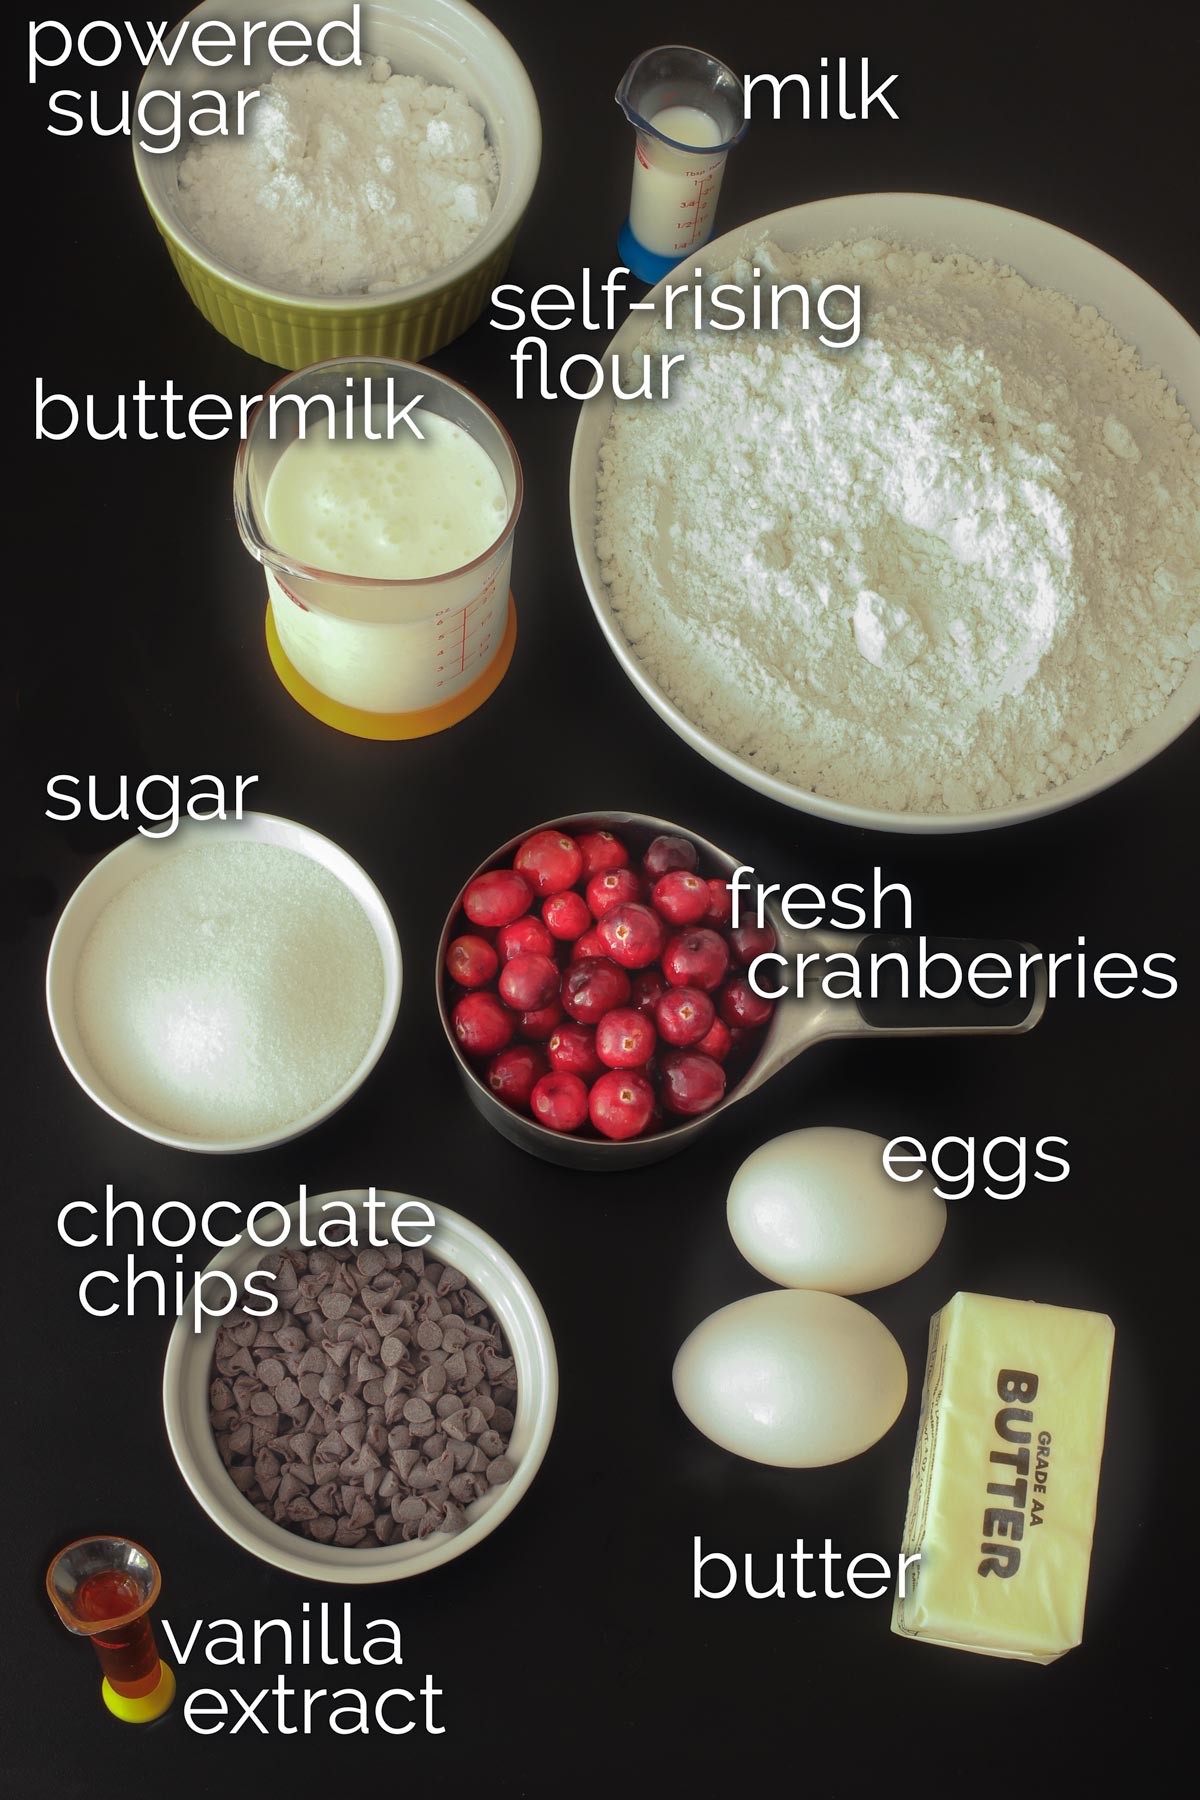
column 566, row 916
column 748, row 941
column 647, row 987
column 717, row 1041
column 550, row 861
column 681, row 897
column 471, row 961
column 633, row 935
column 600, row 850
column 482, row 1024
column 497, row 898
column 625, row 1038
column 513, row 1074
column 613, row 887
column 592, row 988
column 590, row 944
column 720, row 903
column 690, row 1083
column 697, row 958
column 572, row 1050
column 740, row 1005
column 560, row 1101
column 667, row 853
column 621, row 1104
column 528, row 982
column 683, row 1015
column 537, row 1026
column 526, row 936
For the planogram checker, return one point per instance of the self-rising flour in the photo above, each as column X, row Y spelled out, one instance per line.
column 347, row 181
column 949, row 568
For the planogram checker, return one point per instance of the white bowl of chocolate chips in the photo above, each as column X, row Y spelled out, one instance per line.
column 386, row 1415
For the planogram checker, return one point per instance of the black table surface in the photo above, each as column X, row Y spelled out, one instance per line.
column 571, row 1652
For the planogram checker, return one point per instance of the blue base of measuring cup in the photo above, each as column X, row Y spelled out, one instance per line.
column 642, row 262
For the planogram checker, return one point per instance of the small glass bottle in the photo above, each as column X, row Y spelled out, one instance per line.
column 103, row 1588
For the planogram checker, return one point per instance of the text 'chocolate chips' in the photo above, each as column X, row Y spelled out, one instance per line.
column 375, row 1407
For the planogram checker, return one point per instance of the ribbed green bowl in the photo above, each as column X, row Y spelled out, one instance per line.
column 446, row 41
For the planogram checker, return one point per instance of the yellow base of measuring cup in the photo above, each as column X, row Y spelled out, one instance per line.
column 146, row 1707
column 393, row 726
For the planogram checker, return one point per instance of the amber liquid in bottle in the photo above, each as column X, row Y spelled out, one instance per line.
column 128, row 1653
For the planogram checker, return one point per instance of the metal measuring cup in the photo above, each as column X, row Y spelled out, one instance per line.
column 796, row 1025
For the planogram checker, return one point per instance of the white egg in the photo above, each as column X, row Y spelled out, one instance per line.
column 790, row 1378
column 817, row 1209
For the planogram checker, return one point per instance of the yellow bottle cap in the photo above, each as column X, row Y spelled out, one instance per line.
column 142, row 1709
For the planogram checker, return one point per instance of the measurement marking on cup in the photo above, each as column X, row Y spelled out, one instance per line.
column 464, row 636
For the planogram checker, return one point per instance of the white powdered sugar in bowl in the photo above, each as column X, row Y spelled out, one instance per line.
column 347, row 181
column 945, row 570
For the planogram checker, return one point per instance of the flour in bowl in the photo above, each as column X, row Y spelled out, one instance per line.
column 347, row 181
column 948, row 569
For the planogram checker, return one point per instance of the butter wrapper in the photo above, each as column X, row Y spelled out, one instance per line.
column 1002, row 1503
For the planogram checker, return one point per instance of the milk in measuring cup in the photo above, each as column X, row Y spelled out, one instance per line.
column 674, row 194
column 401, row 511
column 397, row 511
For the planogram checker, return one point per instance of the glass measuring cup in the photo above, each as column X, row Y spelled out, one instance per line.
column 377, row 657
column 688, row 110
column 103, row 1588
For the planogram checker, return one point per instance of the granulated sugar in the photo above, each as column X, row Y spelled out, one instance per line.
column 230, row 990
column 347, row 181
column 947, row 569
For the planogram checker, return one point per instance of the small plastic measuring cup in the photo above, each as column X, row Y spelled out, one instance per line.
column 374, row 657
column 103, row 1588
column 688, row 110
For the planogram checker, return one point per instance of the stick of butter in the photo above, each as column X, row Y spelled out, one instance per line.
column 1003, row 1495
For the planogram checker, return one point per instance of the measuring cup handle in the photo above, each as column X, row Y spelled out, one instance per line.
column 963, row 1012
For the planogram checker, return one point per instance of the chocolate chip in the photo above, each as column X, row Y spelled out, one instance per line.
column 355, row 1418
column 287, row 1395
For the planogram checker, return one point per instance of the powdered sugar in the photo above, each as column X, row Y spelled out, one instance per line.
column 947, row 569
column 347, row 181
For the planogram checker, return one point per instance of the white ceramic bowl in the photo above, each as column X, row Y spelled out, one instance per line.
column 1047, row 257
column 188, row 1371
column 136, row 857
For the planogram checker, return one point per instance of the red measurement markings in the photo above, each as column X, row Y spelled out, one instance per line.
column 699, row 209
column 465, row 640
